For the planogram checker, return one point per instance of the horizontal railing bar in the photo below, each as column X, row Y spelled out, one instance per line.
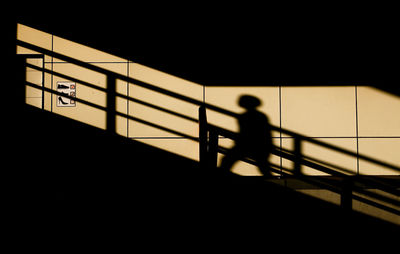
column 32, row 55
column 157, row 126
column 232, row 135
column 114, row 74
column 157, row 107
column 193, row 101
column 303, row 160
column 117, row 94
column 105, row 109
column 58, row 74
column 66, row 96
column 284, row 154
column 377, row 196
column 376, row 204
column 332, row 147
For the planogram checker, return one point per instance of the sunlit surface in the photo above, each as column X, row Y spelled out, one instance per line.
column 379, row 130
column 319, row 111
column 244, row 168
column 358, row 119
column 227, row 97
column 34, row 95
column 385, row 149
column 327, row 157
column 81, row 112
column 378, row 113
column 379, row 213
column 82, row 52
column 35, row 37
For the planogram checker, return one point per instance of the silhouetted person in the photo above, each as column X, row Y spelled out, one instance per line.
column 254, row 140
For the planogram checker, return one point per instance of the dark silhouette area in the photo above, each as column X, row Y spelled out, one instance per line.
column 254, row 140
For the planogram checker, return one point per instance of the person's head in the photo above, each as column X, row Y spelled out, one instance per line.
column 249, row 102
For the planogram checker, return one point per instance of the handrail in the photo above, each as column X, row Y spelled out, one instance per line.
column 186, row 99
column 208, row 134
column 348, row 183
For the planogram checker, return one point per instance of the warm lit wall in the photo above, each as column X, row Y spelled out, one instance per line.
column 357, row 118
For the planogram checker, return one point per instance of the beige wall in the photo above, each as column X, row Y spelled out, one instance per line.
column 356, row 118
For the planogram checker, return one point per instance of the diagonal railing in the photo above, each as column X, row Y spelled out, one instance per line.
column 343, row 181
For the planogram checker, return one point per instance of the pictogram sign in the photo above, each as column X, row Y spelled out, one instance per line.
column 69, row 89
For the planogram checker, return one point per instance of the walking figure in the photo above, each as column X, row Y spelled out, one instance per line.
column 254, row 139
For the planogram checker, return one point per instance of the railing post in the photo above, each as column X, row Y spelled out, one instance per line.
column 111, row 104
column 20, row 92
column 346, row 197
column 297, row 156
column 212, row 149
column 203, row 137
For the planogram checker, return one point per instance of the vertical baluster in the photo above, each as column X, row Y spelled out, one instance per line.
column 346, row 197
column 297, row 156
column 111, row 104
column 20, row 92
column 203, row 137
column 213, row 149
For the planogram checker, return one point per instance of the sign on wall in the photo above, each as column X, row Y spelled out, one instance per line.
column 68, row 88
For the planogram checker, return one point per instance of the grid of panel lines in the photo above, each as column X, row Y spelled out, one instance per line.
column 358, row 118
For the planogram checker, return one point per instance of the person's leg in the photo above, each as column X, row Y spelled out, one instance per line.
column 263, row 165
column 229, row 159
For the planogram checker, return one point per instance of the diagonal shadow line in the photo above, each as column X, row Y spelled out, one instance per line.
column 58, row 74
column 224, row 132
column 187, row 99
column 118, row 113
column 311, row 162
column 124, row 78
column 158, row 126
column 376, row 204
column 328, row 184
column 391, row 89
column 340, row 170
column 332, row 169
column 146, row 122
column 232, row 135
column 313, row 165
column 91, row 104
column 117, row 94
column 377, row 196
column 158, row 108
column 332, row 147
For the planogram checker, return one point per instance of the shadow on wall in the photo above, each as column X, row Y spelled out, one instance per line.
column 253, row 142
column 115, row 99
column 254, row 139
